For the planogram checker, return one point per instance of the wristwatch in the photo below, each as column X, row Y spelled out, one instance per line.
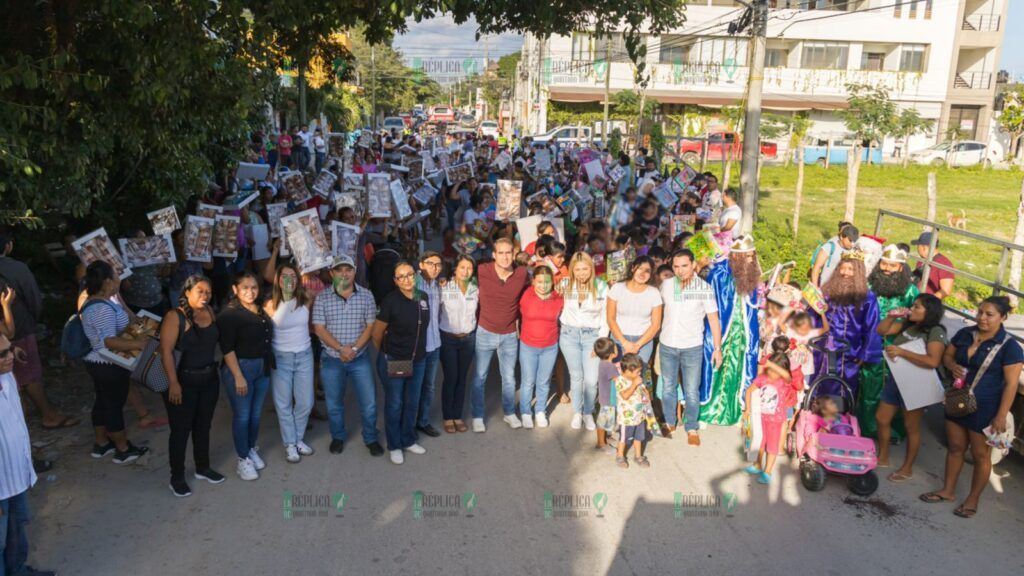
column 355, row 349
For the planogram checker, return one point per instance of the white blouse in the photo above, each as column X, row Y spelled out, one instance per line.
column 458, row 310
column 590, row 313
column 291, row 327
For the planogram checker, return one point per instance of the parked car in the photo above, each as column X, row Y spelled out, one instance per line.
column 442, row 114
column 467, row 121
column 563, row 135
column 815, row 153
column 967, row 153
column 407, row 118
column 394, row 124
column 489, row 128
column 721, row 145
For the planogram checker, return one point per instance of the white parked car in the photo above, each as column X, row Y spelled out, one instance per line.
column 489, row 128
column 394, row 124
column 967, row 153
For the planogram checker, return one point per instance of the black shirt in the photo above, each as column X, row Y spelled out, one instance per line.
column 197, row 344
column 244, row 333
column 407, row 321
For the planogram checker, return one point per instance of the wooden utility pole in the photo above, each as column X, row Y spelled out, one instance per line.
column 373, row 74
column 752, row 121
column 932, row 193
column 607, row 90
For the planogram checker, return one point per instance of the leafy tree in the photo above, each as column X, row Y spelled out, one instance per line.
column 799, row 124
column 615, row 142
column 908, row 124
column 507, row 66
column 869, row 117
column 1011, row 118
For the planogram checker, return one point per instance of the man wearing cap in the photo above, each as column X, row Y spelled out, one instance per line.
column 940, row 282
column 343, row 319
column 827, row 256
column 892, row 284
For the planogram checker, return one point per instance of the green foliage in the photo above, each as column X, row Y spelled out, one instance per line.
column 627, row 105
column 909, row 123
column 507, row 66
column 615, row 142
column 871, row 115
column 657, row 142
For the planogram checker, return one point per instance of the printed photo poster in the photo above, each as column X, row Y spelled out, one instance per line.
column 353, row 180
column 665, row 196
column 251, row 171
column 293, row 188
column 595, row 173
column 483, row 153
column 703, row 245
column 543, row 159
column 378, row 195
column 510, row 200
column 225, row 236
column 416, row 219
column 401, row 199
column 466, row 244
column 415, row 166
column 459, row 173
column 274, row 214
column 617, row 264
column 306, row 240
column 814, row 298
column 443, row 159
column 428, row 161
column 96, row 245
column 436, row 178
column 324, row 183
column 616, row 173
column 199, row 238
column 351, row 200
column 336, row 144
column 424, row 194
column 365, row 139
column 164, row 220
column 208, row 210
column 686, row 174
column 683, row 223
column 344, row 239
column 240, row 200
column 503, row 160
column 148, row 251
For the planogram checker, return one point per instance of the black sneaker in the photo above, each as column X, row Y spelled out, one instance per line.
column 375, row 449
column 180, row 488
column 130, row 455
column 30, row 571
column 429, row 430
column 337, row 446
column 102, row 451
column 210, row 475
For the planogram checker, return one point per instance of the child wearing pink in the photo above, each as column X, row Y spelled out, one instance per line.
column 778, row 388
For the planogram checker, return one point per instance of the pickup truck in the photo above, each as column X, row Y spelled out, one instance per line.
column 721, row 146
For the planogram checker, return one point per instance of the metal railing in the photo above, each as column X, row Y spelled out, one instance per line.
column 982, row 23
column 973, row 80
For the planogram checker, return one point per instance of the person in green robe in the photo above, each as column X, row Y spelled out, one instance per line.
column 893, row 285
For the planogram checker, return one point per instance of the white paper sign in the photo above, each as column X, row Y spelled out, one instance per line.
column 918, row 386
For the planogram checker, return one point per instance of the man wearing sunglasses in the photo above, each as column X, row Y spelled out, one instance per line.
column 16, row 473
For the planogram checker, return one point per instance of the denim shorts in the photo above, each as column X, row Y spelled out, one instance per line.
column 891, row 393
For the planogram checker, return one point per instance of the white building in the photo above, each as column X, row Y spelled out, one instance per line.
column 938, row 56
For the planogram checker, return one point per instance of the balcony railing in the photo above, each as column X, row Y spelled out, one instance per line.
column 982, row 23
column 973, row 80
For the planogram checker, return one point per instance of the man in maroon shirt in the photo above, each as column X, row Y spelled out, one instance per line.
column 501, row 285
column 940, row 282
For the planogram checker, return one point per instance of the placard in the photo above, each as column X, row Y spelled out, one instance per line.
column 164, row 220
column 378, row 193
column 225, row 236
column 510, row 200
column 703, row 245
column 459, row 173
column 400, row 198
column 919, row 387
column 251, row 171
column 96, row 245
column 208, row 210
column 814, row 298
column 293, row 188
column 683, row 223
column 147, row 251
column 260, row 241
column 542, row 158
column 324, row 183
column 344, row 239
column 595, row 172
column 336, row 143
column 665, row 196
column 306, row 240
column 199, row 238
column 274, row 214
column 240, row 200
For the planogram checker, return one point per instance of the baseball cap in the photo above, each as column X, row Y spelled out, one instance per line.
column 342, row 260
column 925, row 239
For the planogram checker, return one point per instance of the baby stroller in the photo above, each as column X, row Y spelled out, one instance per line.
column 840, row 450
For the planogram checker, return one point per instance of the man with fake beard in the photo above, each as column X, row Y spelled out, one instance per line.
column 853, row 317
column 893, row 285
column 737, row 309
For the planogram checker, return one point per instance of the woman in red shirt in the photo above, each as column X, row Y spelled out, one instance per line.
column 540, row 307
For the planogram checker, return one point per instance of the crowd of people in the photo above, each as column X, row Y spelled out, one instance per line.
column 622, row 291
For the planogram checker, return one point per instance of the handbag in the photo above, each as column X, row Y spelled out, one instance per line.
column 960, row 402
column 149, row 369
column 404, row 368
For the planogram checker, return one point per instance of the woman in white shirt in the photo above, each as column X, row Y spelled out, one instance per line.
column 729, row 220
column 292, row 377
column 459, row 302
column 634, row 310
column 584, row 320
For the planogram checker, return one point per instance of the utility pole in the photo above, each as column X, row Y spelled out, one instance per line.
column 302, row 94
column 607, row 90
column 752, row 123
column 373, row 73
column 540, row 81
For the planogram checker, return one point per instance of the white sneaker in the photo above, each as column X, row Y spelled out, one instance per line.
column 246, row 470
column 577, row 421
column 396, row 457
column 257, row 462
column 527, row 421
column 478, row 425
column 304, row 449
column 513, row 421
column 417, row 449
column 542, row 420
column 588, row 421
column 291, row 453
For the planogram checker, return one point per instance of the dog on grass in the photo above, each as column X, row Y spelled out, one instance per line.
column 959, row 222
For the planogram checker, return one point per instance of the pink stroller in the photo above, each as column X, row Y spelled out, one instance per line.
column 841, row 450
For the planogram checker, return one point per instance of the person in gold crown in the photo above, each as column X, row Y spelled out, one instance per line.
column 853, row 317
column 894, row 287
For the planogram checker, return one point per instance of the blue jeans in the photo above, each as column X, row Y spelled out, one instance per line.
column 645, row 351
column 536, row 366
column 246, row 410
column 401, row 399
column 292, row 382
column 427, row 395
column 334, row 376
column 506, row 346
column 578, row 348
column 13, row 537
column 689, row 360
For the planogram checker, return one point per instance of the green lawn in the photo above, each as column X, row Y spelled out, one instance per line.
column 989, row 199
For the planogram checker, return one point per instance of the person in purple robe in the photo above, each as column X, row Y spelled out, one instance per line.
column 852, row 317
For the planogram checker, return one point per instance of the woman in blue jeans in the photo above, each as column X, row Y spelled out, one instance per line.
column 245, row 341
column 634, row 310
column 292, row 377
column 400, row 334
column 584, row 320
column 539, row 307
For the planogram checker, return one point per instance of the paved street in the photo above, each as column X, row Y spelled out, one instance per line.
column 94, row 518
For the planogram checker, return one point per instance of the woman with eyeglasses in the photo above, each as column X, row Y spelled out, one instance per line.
column 400, row 334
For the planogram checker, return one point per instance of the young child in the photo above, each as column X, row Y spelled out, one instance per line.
column 800, row 332
column 774, row 382
column 826, row 407
column 607, row 372
column 633, row 405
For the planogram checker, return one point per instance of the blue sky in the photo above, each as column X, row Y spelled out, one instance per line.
column 443, row 38
column 1012, row 58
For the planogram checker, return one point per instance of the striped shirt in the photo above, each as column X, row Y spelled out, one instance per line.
column 16, row 473
column 102, row 320
column 344, row 319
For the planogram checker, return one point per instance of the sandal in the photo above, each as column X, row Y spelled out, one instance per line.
column 898, row 477
column 460, row 426
column 963, row 512
column 622, row 461
column 933, row 498
column 642, row 462
column 66, row 422
column 449, row 426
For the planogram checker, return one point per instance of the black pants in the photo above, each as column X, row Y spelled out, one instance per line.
column 456, row 356
column 111, row 384
column 199, row 392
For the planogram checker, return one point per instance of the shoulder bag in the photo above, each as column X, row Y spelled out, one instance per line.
column 404, row 368
column 149, row 369
column 961, row 402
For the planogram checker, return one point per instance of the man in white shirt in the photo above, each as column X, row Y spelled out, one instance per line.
column 320, row 149
column 688, row 300
column 16, row 473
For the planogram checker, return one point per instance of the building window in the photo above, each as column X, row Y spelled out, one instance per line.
column 965, row 118
column 927, row 9
column 873, row 61
column 912, row 58
column 825, row 55
column 897, row 10
column 776, row 57
column 582, row 47
column 613, row 43
column 718, row 50
column 672, row 49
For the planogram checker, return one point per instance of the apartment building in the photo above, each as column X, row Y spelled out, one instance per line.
column 938, row 56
